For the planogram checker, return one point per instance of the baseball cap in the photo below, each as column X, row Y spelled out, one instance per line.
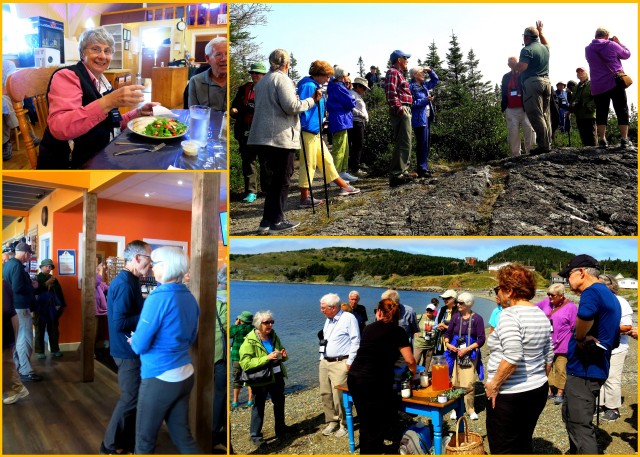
column 449, row 294
column 431, row 307
column 398, row 53
column 579, row 261
column 580, row 69
column 245, row 316
column 23, row 247
column 258, row 67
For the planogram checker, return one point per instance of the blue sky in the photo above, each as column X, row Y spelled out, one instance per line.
column 340, row 33
column 482, row 248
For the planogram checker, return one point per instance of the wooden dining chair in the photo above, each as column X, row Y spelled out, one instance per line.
column 30, row 83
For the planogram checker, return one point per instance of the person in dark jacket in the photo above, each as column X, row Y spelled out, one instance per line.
column 14, row 273
column 237, row 332
column 125, row 305
column 514, row 113
column 83, row 107
column 583, row 105
column 242, row 109
column 51, row 304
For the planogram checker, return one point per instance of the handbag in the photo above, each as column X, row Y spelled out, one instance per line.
column 622, row 80
column 257, row 376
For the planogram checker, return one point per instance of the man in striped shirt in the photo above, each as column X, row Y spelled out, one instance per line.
column 589, row 352
column 399, row 98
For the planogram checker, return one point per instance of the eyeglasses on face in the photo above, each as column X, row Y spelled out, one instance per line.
column 461, row 303
column 551, row 295
column 271, row 322
column 496, row 290
column 98, row 50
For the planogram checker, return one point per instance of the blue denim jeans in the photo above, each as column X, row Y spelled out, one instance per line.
column 24, row 342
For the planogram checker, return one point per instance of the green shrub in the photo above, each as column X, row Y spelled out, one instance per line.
column 236, row 180
column 378, row 141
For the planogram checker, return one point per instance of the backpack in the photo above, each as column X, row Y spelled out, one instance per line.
column 415, row 443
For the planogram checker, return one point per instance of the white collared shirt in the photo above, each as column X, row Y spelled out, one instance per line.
column 342, row 335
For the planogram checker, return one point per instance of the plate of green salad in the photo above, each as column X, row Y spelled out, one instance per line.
column 157, row 127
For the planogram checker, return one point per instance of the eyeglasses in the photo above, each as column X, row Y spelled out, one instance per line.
column 145, row 255
column 271, row 322
column 551, row 295
column 97, row 50
column 153, row 264
column 461, row 303
column 573, row 271
column 218, row 55
column 496, row 290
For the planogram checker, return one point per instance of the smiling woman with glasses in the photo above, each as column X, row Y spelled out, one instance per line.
column 167, row 328
column 261, row 359
column 83, row 107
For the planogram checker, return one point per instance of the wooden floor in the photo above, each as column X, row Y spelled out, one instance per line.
column 19, row 159
column 63, row 415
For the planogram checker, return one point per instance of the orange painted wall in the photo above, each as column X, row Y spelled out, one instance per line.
column 114, row 218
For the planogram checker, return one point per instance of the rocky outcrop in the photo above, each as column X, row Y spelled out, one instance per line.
column 568, row 192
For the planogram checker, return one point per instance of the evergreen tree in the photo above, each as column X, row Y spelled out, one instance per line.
column 473, row 77
column 361, row 70
column 434, row 61
column 456, row 67
column 453, row 92
column 293, row 72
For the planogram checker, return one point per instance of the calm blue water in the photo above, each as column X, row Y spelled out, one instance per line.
column 296, row 310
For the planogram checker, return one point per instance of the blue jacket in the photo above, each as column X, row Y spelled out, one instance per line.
column 168, row 327
column 123, row 311
column 339, row 104
column 309, row 121
column 420, row 93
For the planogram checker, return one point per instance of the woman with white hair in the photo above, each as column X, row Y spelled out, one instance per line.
column 562, row 314
column 463, row 339
column 262, row 350
column 166, row 330
column 275, row 132
column 420, row 113
column 83, row 107
column 611, row 393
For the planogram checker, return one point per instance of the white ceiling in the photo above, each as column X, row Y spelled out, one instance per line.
column 162, row 187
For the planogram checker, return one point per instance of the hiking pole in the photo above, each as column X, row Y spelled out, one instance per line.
column 324, row 171
column 306, row 166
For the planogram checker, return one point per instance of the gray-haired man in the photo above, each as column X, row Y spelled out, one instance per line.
column 338, row 347
column 209, row 88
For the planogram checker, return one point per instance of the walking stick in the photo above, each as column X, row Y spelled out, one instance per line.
column 324, row 171
column 306, row 166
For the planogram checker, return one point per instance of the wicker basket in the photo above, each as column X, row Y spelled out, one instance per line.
column 470, row 443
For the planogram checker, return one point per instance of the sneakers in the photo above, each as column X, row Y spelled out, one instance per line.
column 31, row 377
column 283, row 226
column 539, row 150
column 250, row 198
column 342, row 431
column 250, row 403
column 330, row 428
column 611, row 415
column 360, row 174
column 625, row 143
column 306, row 203
column 558, row 400
column 11, row 399
column 602, row 143
column 473, row 416
column 600, row 410
column 41, row 355
column 234, row 404
column 347, row 177
column 106, row 451
column 453, row 416
column 333, row 184
column 57, row 354
column 550, row 397
column 257, row 442
column 263, row 229
column 349, row 190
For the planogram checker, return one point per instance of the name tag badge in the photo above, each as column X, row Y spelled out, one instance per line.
column 276, row 369
column 323, row 346
column 514, row 93
column 462, row 346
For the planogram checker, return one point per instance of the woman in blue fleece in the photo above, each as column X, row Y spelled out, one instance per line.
column 167, row 328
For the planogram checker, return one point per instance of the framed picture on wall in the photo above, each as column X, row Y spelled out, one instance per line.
column 126, row 45
column 155, row 244
column 126, row 35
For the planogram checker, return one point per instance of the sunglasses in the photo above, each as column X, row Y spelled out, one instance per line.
column 460, row 303
column 271, row 322
column 551, row 295
column 496, row 290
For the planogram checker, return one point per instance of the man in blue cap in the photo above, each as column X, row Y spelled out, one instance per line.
column 399, row 98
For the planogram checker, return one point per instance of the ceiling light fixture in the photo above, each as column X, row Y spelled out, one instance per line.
column 179, row 182
column 146, row 194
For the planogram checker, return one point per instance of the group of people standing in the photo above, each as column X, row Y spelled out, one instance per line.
column 530, row 103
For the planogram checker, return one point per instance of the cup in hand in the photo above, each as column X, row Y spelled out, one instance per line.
column 199, row 123
column 278, row 355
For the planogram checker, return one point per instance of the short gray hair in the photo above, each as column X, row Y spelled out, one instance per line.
column 601, row 32
column 592, row 272
column 208, row 49
column 611, row 282
column 466, row 298
column 415, row 70
column 354, row 292
column 278, row 59
column 175, row 263
column 391, row 294
column 339, row 72
column 331, row 300
column 97, row 35
column 134, row 248
column 557, row 288
column 260, row 316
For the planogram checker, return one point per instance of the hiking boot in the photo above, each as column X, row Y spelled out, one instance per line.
column 599, row 410
column 625, row 143
column 11, row 399
column 283, row 226
column 349, row 190
column 360, row 174
column 602, row 143
column 611, row 415
column 329, row 429
column 306, row 203
column 342, row 431
column 398, row 180
column 250, row 198
column 539, row 150
column 347, row 177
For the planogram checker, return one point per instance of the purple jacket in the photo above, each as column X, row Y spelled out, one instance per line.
column 563, row 322
column 604, row 60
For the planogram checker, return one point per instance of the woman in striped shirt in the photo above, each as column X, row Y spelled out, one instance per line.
column 519, row 362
